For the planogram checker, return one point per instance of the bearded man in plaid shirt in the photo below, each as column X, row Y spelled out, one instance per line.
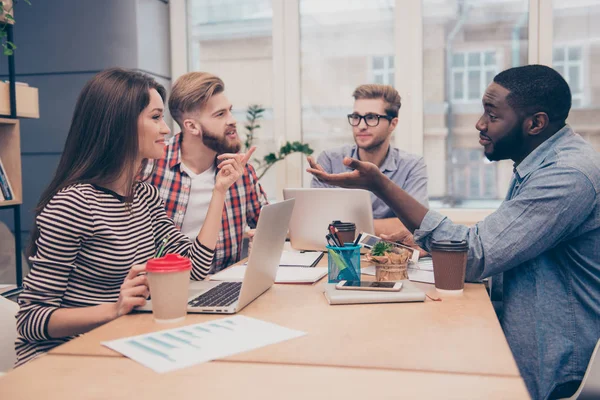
column 185, row 176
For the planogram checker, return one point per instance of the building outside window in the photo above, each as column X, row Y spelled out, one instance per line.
column 475, row 177
column 472, row 72
column 576, row 55
column 226, row 37
column 337, row 54
column 466, row 44
column 340, row 44
column 382, row 70
column 568, row 61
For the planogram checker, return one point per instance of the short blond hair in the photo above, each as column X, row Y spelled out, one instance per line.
column 385, row 92
column 191, row 92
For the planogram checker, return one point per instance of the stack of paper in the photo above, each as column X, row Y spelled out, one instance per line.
column 298, row 259
column 284, row 274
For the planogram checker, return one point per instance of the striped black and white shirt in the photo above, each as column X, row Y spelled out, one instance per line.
column 89, row 239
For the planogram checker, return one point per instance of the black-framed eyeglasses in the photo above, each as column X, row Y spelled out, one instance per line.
column 370, row 119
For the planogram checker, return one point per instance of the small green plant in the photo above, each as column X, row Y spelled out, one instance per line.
column 381, row 248
column 253, row 115
column 7, row 7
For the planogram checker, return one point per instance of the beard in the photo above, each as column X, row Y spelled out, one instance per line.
column 505, row 147
column 376, row 144
column 221, row 143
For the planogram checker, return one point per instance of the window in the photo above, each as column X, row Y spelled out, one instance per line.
column 229, row 36
column 576, row 55
column 475, row 177
column 465, row 46
column 472, row 72
column 327, row 48
column 568, row 61
column 382, row 70
column 337, row 54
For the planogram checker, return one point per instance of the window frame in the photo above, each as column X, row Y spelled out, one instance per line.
column 385, row 71
column 466, row 68
column 408, row 77
column 566, row 64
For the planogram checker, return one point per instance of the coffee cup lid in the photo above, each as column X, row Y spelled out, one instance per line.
column 169, row 263
column 449, row 245
column 344, row 225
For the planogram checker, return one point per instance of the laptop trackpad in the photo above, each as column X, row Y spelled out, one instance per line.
column 199, row 287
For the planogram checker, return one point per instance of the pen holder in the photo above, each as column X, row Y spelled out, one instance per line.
column 343, row 263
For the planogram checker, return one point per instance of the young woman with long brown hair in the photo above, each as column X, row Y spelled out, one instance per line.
column 96, row 225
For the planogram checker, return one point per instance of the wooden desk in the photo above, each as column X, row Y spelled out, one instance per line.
column 79, row 377
column 457, row 335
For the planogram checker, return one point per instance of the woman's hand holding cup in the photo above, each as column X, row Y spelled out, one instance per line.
column 134, row 291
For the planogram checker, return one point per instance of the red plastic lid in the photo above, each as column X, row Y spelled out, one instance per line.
column 169, row 263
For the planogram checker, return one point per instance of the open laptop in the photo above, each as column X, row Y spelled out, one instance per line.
column 267, row 246
column 316, row 208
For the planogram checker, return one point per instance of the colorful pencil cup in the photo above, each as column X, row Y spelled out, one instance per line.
column 343, row 263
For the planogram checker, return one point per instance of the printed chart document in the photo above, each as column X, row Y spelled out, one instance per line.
column 420, row 272
column 177, row 348
column 284, row 274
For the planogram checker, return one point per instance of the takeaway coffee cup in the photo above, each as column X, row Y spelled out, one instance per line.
column 169, row 280
column 449, row 265
column 346, row 231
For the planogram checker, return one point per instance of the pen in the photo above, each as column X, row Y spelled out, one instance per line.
column 332, row 229
column 162, row 247
column 330, row 240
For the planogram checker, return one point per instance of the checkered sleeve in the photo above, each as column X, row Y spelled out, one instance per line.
column 255, row 196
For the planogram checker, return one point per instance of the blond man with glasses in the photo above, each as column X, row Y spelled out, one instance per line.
column 373, row 120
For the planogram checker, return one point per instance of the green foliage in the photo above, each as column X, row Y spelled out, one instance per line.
column 255, row 113
column 8, row 47
column 381, row 248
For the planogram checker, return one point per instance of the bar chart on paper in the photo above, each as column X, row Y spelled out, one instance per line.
column 185, row 346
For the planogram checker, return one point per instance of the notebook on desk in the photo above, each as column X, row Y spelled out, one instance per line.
column 305, row 259
column 408, row 293
column 284, row 274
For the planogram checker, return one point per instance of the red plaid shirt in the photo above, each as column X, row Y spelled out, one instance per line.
column 242, row 203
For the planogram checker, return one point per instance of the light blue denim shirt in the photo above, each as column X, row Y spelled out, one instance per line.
column 404, row 169
column 545, row 239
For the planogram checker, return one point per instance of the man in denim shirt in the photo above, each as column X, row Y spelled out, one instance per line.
column 544, row 238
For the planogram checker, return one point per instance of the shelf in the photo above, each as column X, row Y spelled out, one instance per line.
column 10, row 154
column 27, row 100
column 10, row 203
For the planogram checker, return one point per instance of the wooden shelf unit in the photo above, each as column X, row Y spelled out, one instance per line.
column 10, row 154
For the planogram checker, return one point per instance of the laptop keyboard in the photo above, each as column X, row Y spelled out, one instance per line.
column 220, row 296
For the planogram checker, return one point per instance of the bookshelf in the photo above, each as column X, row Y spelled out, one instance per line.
column 10, row 146
column 10, row 154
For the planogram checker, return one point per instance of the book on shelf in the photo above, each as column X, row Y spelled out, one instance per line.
column 5, row 188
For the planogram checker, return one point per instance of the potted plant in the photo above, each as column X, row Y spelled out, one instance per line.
column 391, row 262
column 26, row 97
column 7, row 17
column 253, row 115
